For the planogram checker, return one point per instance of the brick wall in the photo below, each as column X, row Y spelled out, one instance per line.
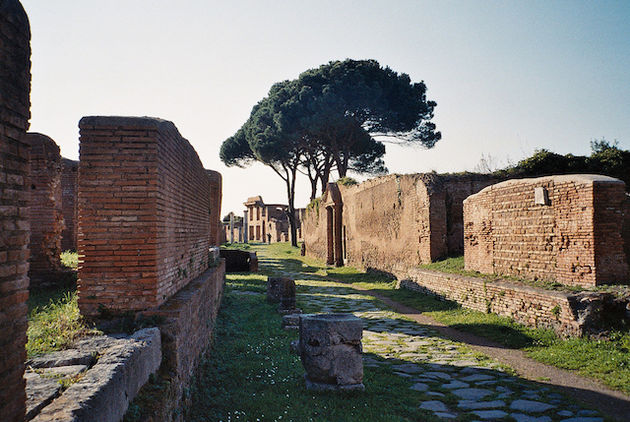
column 69, row 184
column 573, row 237
column 145, row 213
column 15, row 79
column 216, row 186
column 397, row 220
column 45, row 211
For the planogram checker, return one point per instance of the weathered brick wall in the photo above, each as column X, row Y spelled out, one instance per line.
column 574, row 239
column 397, row 220
column 45, row 210
column 145, row 213
column 216, row 186
column 69, row 185
column 15, row 79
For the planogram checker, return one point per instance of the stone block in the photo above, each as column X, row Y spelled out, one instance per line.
column 105, row 391
column 331, row 351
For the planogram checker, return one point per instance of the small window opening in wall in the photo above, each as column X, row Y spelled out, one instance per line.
column 33, row 187
column 541, row 196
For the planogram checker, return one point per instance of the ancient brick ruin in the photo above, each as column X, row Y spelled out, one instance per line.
column 69, row 185
column 45, row 209
column 15, row 79
column 565, row 229
column 232, row 229
column 216, row 195
column 391, row 221
column 268, row 223
column 146, row 221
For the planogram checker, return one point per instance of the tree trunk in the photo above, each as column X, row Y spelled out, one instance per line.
column 325, row 175
column 313, row 188
column 290, row 181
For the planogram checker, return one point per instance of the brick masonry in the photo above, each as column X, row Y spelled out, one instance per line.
column 148, row 212
column 45, row 209
column 69, row 185
column 565, row 313
column 15, row 80
column 395, row 220
column 571, row 236
column 216, row 194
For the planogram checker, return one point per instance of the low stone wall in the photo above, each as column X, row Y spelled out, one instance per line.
column 568, row 314
column 105, row 389
column 187, row 325
column 45, row 210
column 565, row 229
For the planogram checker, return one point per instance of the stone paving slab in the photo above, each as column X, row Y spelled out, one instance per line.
column 452, row 380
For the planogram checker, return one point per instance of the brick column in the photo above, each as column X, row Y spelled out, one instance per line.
column 45, row 210
column 15, row 79
column 69, row 183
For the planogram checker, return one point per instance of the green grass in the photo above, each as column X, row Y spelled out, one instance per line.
column 251, row 375
column 70, row 259
column 606, row 360
column 455, row 265
column 54, row 321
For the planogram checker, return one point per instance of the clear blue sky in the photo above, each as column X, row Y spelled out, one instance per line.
column 508, row 76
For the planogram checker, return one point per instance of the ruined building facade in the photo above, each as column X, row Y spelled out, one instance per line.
column 394, row 220
column 268, row 223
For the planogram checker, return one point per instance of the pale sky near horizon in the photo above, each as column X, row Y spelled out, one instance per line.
column 508, row 76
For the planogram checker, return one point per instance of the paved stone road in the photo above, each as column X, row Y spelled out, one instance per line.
column 452, row 381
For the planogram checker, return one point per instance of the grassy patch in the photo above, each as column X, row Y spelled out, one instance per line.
column 70, row 259
column 54, row 322
column 606, row 360
column 254, row 376
column 455, row 265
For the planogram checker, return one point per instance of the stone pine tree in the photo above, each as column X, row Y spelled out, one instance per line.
column 272, row 135
column 351, row 102
column 334, row 117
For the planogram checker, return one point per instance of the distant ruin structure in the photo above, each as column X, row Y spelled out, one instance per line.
column 566, row 229
column 268, row 223
column 394, row 220
column 15, row 82
column 45, row 209
column 69, row 185
column 232, row 229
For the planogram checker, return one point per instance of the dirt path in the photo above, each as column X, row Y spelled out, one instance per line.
column 612, row 403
